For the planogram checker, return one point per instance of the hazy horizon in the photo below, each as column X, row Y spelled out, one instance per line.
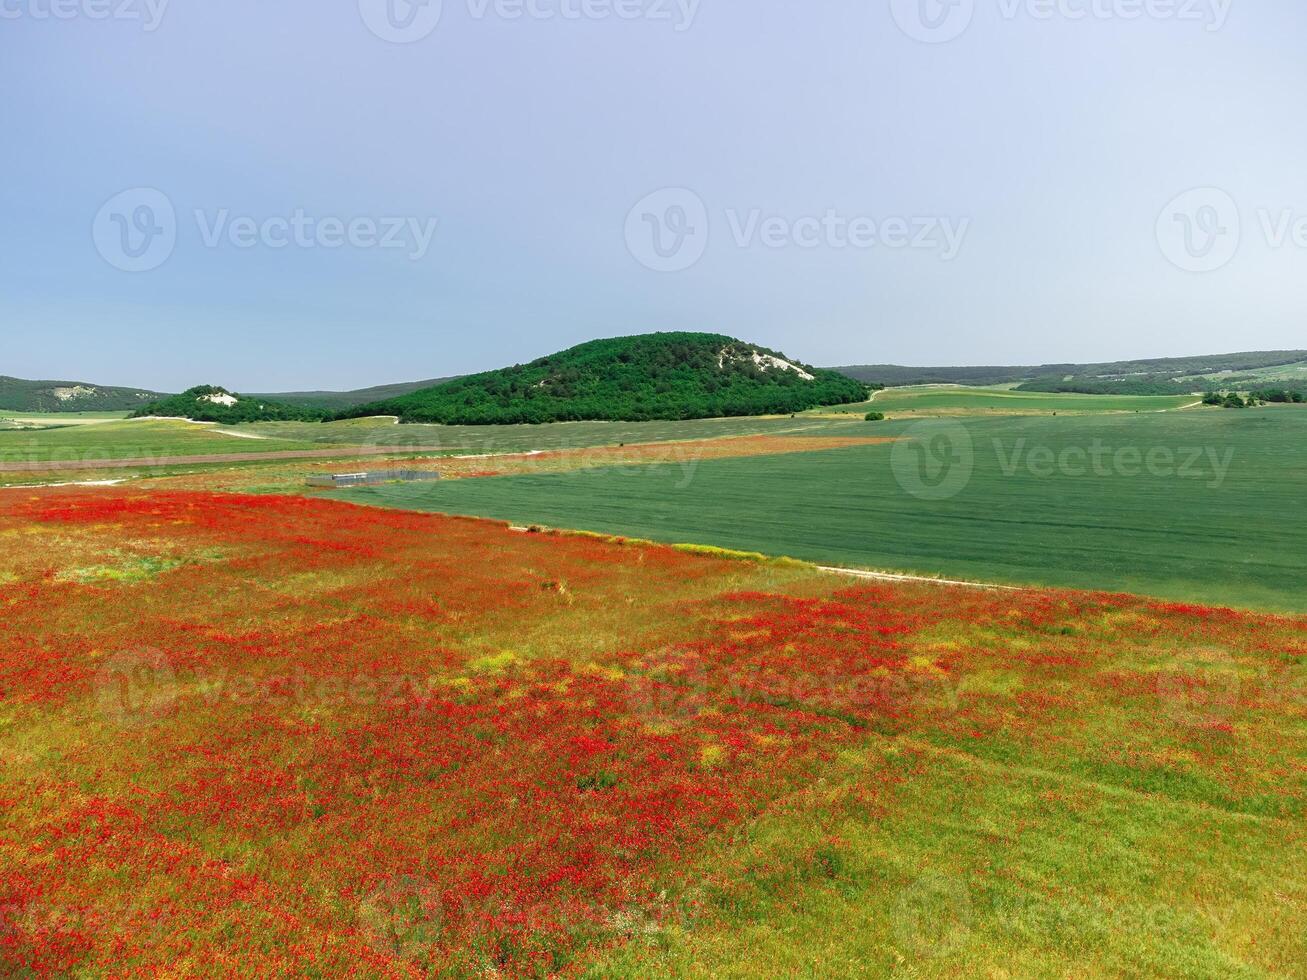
column 109, row 382
column 288, row 197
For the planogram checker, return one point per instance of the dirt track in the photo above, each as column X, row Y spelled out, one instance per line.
column 344, row 452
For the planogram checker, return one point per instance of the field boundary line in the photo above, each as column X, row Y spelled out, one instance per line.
column 729, row 553
column 276, row 455
column 903, row 577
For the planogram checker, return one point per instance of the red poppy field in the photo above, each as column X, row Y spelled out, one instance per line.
column 277, row 736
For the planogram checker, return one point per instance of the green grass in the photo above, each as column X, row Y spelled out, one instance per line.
column 1226, row 529
column 947, row 400
column 147, row 438
column 518, row 438
column 62, row 418
column 33, row 421
column 968, row 868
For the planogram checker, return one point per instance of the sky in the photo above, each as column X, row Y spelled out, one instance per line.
column 304, row 195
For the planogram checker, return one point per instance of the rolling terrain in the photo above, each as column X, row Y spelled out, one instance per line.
column 1197, row 505
column 1166, row 375
column 1155, row 533
column 260, row 725
column 19, row 395
column 211, row 403
column 311, row 738
column 338, row 401
column 53, row 439
column 1160, row 376
column 123, row 439
column 960, row 400
column 664, row 376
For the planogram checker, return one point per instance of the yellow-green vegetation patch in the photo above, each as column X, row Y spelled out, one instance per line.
column 712, row 552
column 127, row 568
column 496, row 664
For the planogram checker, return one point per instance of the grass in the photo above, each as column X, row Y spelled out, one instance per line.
column 316, row 740
column 112, row 438
column 967, row 868
column 957, row 400
column 35, row 421
column 519, row 438
column 62, row 418
column 562, row 446
column 1220, row 523
column 147, row 438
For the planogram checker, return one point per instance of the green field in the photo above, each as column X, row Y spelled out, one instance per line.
column 520, row 438
column 149, row 439
column 29, row 421
column 956, row 400
column 146, row 438
column 86, row 436
column 62, row 418
column 1202, row 505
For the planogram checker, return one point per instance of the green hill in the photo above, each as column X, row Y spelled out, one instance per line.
column 1155, row 376
column 209, row 403
column 653, row 376
column 339, row 401
column 19, row 395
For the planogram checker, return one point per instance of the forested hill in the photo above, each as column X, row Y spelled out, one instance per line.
column 339, row 401
column 651, row 376
column 209, row 403
column 20, row 395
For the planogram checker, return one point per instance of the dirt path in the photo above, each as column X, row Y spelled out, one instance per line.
column 898, row 577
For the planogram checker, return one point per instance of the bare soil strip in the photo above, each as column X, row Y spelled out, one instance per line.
column 340, row 452
column 899, row 577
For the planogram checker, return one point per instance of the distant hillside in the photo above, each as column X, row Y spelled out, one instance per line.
column 577, row 384
column 652, row 376
column 898, row 375
column 337, row 401
column 209, row 403
column 1167, row 375
column 18, row 395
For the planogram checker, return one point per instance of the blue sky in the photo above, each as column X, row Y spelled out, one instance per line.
column 916, row 181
